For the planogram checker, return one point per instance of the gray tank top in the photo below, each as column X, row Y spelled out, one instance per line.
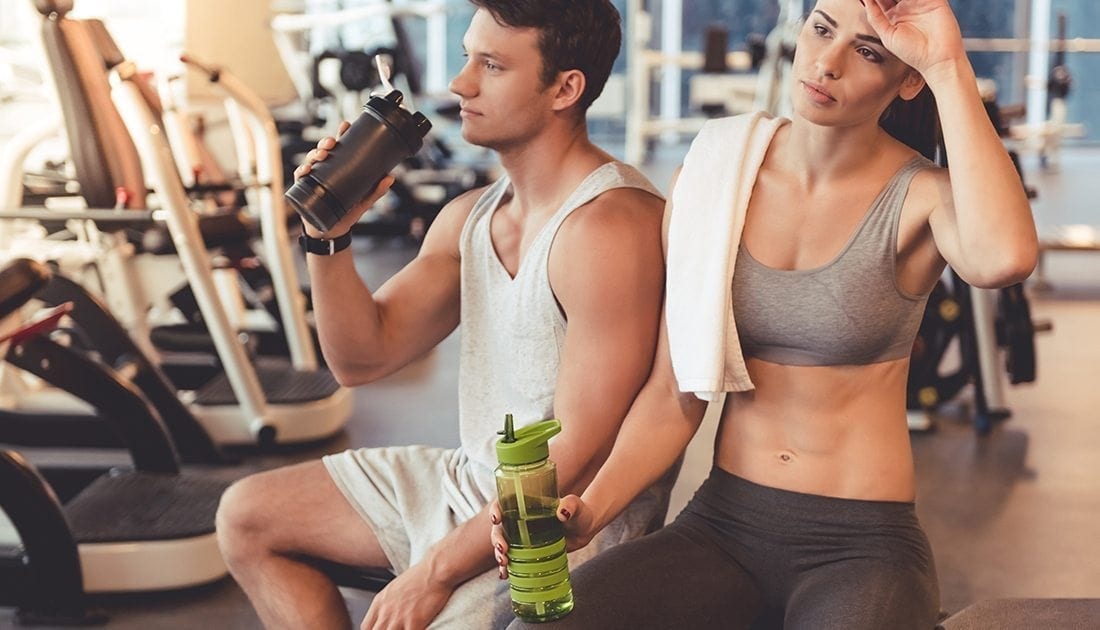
column 849, row 311
column 513, row 328
column 510, row 352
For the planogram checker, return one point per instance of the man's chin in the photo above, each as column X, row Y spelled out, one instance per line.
column 478, row 140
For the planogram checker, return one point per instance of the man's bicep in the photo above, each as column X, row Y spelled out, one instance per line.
column 612, row 302
column 421, row 304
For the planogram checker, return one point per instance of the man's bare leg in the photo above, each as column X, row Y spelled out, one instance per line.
column 267, row 523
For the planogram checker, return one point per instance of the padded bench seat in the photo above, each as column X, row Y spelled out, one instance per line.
column 1027, row 614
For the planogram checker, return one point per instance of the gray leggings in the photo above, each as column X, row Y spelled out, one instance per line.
column 742, row 555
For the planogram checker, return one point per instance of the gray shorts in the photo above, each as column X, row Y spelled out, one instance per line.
column 412, row 496
column 400, row 494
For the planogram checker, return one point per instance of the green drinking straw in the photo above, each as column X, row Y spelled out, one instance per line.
column 521, row 503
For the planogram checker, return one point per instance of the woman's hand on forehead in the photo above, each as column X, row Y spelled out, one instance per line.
column 923, row 34
column 886, row 5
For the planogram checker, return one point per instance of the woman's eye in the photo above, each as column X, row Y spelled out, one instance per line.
column 870, row 55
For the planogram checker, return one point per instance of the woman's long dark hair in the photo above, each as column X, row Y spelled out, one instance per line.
column 915, row 122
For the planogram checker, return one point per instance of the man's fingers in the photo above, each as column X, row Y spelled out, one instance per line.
column 344, row 126
column 328, row 142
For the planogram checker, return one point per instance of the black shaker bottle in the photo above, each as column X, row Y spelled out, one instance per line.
column 379, row 139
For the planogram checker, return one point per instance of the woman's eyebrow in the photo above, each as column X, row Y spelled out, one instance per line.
column 866, row 38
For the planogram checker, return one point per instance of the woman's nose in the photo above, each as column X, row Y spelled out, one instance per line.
column 830, row 60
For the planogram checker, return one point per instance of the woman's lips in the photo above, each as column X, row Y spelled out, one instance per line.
column 817, row 92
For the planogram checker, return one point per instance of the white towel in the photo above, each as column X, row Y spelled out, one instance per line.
column 707, row 217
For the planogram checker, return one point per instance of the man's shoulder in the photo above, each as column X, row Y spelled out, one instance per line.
column 463, row 204
column 446, row 229
column 623, row 219
column 456, row 211
column 613, row 211
column 625, row 199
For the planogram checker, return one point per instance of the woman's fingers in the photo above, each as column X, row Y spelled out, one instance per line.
column 497, row 540
column 568, row 507
column 876, row 15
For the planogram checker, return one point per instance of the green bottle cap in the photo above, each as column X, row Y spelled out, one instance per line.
column 527, row 445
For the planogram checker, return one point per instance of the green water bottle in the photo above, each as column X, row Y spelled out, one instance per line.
column 527, row 486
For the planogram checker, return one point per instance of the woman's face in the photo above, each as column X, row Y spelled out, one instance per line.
column 842, row 73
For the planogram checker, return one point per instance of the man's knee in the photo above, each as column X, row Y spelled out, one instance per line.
column 241, row 520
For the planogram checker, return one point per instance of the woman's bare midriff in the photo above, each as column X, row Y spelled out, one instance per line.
column 836, row 431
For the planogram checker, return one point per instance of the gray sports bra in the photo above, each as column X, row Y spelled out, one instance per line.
column 849, row 311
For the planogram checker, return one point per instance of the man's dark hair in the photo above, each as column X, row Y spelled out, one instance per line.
column 580, row 35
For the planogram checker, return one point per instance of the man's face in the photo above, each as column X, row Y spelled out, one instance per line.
column 504, row 101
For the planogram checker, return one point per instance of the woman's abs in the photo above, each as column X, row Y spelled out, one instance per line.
column 835, row 431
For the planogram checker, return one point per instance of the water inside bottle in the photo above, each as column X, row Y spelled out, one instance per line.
column 540, row 529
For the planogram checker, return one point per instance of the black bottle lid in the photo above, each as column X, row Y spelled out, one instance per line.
column 412, row 127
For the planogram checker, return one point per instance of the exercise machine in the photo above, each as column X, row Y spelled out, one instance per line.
column 245, row 403
column 145, row 528
column 984, row 327
column 334, row 83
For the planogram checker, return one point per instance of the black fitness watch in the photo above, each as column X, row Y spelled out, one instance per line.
column 324, row 246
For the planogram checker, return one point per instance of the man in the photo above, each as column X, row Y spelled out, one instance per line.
column 557, row 274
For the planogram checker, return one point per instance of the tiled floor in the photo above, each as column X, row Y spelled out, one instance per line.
column 1011, row 514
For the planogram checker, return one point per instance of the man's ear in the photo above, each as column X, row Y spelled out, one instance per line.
column 571, row 85
column 911, row 86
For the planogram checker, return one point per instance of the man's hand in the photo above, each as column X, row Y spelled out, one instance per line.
column 324, row 145
column 579, row 521
column 410, row 602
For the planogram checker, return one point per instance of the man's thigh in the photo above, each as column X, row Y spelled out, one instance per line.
column 398, row 492
column 479, row 603
column 299, row 510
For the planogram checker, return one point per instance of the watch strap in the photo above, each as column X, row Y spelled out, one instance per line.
column 324, row 246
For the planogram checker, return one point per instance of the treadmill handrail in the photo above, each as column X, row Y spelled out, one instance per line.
column 53, row 578
column 120, row 402
column 116, row 347
column 184, row 227
column 119, row 218
column 273, row 213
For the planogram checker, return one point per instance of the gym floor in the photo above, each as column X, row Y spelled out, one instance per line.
column 1010, row 514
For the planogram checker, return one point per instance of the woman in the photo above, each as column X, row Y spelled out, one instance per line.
column 808, row 515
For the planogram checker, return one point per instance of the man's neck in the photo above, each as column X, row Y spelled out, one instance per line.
column 547, row 169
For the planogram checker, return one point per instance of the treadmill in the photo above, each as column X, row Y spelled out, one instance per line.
column 246, row 403
column 148, row 527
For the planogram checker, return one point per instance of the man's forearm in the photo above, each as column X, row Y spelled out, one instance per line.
column 462, row 554
column 348, row 322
